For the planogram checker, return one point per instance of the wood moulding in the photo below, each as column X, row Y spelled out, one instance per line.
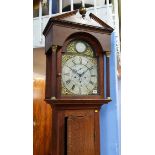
column 78, row 101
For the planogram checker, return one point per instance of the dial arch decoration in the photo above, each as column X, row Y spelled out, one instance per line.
column 88, row 39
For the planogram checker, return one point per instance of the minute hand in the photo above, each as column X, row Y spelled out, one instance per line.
column 73, row 70
column 84, row 72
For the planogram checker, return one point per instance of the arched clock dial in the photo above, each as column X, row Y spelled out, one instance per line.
column 79, row 75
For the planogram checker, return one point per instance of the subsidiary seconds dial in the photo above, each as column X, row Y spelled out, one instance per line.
column 79, row 75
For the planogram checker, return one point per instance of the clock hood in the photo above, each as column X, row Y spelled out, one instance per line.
column 75, row 18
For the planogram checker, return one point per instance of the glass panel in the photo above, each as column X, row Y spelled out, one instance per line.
column 79, row 70
column 110, row 1
column 55, row 6
column 35, row 8
column 66, row 4
column 45, row 7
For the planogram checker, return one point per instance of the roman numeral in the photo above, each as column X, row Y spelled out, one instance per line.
column 91, row 82
column 74, row 62
column 87, row 87
column 67, row 74
column 68, row 81
column 80, row 59
column 73, row 87
column 91, row 67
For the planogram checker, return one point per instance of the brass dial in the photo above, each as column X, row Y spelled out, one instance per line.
column 79, row 70
column 79, row 75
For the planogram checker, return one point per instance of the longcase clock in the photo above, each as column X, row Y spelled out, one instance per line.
column 77, row 49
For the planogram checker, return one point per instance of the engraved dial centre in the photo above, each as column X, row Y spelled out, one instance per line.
column 79, row 75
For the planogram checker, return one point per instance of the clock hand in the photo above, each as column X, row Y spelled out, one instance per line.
column 84, row 72
column 73, row 70
column 79, row 69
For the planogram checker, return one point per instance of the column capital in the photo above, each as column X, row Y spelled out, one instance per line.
column 54, row 48
column 107, row 53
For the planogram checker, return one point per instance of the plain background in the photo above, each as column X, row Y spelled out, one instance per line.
column 138, row 78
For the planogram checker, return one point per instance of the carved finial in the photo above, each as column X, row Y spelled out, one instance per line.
column 82, row 9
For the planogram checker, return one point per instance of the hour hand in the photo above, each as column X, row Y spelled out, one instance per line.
column 74, row 71
column 83, row 73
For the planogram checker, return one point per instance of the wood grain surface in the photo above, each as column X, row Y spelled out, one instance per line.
column 41, row 120
column 80, row 135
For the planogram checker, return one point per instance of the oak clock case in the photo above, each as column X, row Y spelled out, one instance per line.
column 77, row 61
